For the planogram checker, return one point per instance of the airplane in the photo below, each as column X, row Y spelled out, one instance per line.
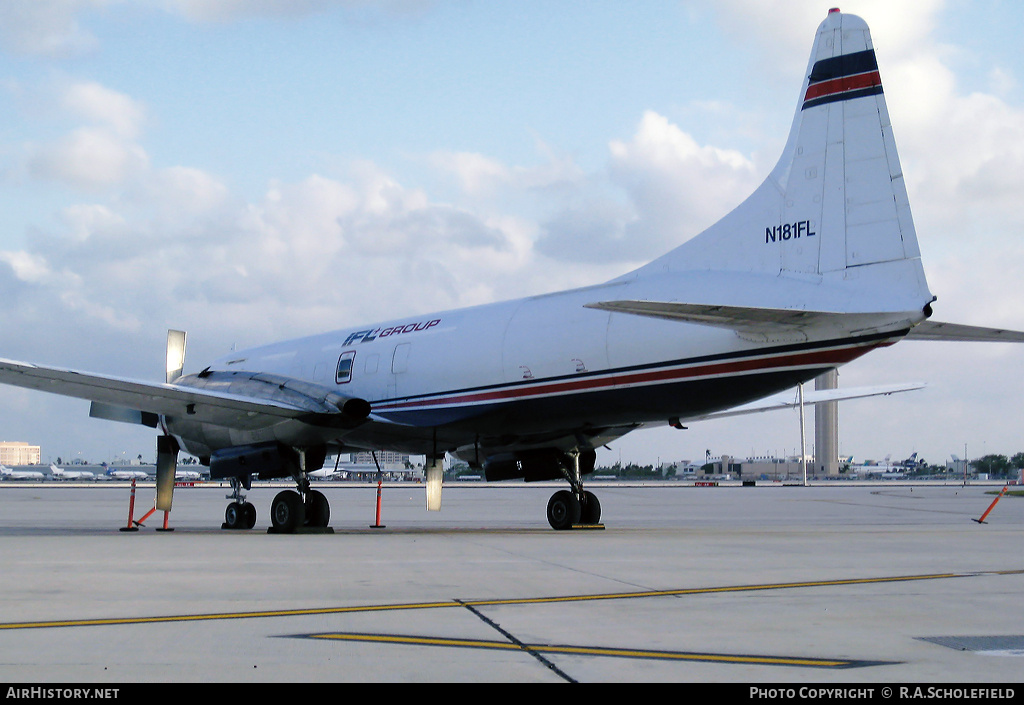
column 65, row 474
column 913, row 461
column 325, row 473
column 9, row 474
column 817, row 267
column 121, row 473
column 187, row 475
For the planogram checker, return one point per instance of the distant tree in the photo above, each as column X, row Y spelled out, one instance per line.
column 639, row 471
column 1017, row 461
column 994, row 465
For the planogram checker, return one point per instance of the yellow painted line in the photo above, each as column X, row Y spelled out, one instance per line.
column 416, row 640
column 684, row 656
column 481, row 603
column 223, row 615
column 408, row 640
column 712, row 590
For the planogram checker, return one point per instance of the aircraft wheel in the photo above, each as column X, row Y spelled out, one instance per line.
column 287, row 512
column 590, row 509
column 563, row 510
column 234, row 516
column 249, row 512
column 318, row 509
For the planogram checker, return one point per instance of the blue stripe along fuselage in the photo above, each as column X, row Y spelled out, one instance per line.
column 683, row 387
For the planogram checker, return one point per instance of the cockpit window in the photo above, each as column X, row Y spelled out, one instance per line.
column 344, row 373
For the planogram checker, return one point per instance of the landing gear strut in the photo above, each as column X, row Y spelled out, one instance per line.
column 573, row 507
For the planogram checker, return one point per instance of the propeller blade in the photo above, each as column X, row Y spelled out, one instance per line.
column 175, row 354
column 166, row 464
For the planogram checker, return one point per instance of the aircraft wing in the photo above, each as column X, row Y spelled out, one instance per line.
column 121, row 399
column 812, row 397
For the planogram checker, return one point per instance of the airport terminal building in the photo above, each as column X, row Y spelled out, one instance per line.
column 18, row 453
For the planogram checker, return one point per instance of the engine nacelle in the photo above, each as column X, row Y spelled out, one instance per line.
column 536, row 465
column 265, row 460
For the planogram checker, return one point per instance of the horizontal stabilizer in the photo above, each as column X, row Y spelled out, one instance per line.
column 750, row 321
column 935, row 330
column 813, row 397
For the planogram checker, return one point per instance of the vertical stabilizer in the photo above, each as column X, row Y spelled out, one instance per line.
column 835, row 208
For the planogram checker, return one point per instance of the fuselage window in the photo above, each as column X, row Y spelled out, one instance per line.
column 370, row 367
column 345, row 367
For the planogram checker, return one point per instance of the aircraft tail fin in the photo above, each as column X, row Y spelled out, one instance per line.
column 834, row 210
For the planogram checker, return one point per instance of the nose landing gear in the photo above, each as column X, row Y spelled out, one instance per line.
column 240, row 514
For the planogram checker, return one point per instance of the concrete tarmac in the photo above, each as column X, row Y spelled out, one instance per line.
column 878, row 584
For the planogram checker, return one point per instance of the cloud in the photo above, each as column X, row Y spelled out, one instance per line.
column 966, row 150
column 311, row 255
column 234, row 10
column 46, row 28
column 782, row 30
column 679, row 186
column 662, row 189
column 477, row 174
column 101, row 150
column 101, row 105
column 27, row 267
column 482, row 177
column 84, row 220
column 87, row 158
column 52, row 29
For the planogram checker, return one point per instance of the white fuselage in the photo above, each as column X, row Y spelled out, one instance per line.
column 529, row 371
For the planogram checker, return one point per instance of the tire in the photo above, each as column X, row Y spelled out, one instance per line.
column 590, row 509
column 249, row 512
column 563, row 510
column 233, row 516
column 287, row 512
column 318, row 509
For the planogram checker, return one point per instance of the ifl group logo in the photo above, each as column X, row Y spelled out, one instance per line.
column 365, row 336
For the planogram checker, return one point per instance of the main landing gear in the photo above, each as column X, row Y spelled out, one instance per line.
column 302, row 509
column 291, row 511
column 575, row 507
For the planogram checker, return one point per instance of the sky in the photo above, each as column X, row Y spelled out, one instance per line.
column 250, row 171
